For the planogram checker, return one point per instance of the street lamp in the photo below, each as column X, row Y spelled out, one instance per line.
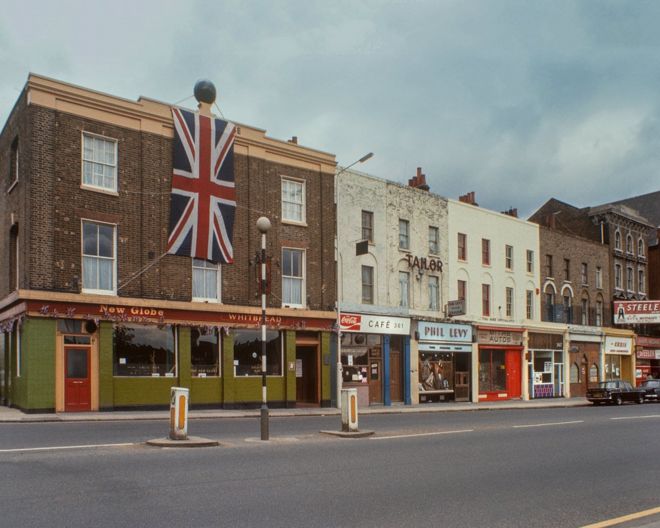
column 340, row 277
column 263, row 225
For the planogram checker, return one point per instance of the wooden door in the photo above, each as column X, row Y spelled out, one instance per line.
column 375, row 380
column 77, row 383
column 513, row 366
column 396, row 391
column 307, row 366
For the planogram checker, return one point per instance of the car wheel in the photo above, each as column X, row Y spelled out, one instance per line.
column 617, row 400
column 640, row 398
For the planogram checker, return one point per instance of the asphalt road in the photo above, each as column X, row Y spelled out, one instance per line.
column 541, row 468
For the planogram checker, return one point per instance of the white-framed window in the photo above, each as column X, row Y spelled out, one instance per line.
column 293, row 200
column 640, row 281
column 205, row 280
column 508, row 257
column 618, row 280
column 599, row 277
column 434, row 240
column 99, row 160
column 367, row 284
column 640, row 247
column 404, row 289
column 368, row 226
column 404, row 234
column 630, row 279
column 530, row 261
column 617, row 240
column 529, row 308
column 12, row 179
column 98, row 257
column 434, row 292
column 509, row 302
column 293, row 277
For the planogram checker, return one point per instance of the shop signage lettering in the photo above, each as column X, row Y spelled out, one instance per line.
column 618, row 345
column 497, row 337
column 423, row 263
column 635, row 312
column 649, row 342
column 645, row 353
column 374, row 324
column 134, row 311
column 444, row 332
column 254, row 319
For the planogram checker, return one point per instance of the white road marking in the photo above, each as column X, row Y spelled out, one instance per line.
column 546, row 424
column 636, row 417
column 420, row 434
column 56, row 448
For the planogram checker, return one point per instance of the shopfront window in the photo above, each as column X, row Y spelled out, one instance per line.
column 492, row 371
column 247, row 353
column 204, row 352
column 436, row 371
column 356, row 350
column 144, row 350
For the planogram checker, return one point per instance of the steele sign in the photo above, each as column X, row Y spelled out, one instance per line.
column 636, row 312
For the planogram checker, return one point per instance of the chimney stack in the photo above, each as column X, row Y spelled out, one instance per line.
column 468, row 198
column 294, row 140
column 511, row 212
column 419, row 181
column 550, row 221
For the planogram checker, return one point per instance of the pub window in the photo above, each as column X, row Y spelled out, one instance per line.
column 247, row 353
column 99, row 163
column 293, row 200
column 98, row 262
column 293, row 277
column 205, row 352
column 368, row 226
column 144, row 350
column 205, row 280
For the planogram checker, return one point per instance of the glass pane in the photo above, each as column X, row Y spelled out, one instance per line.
column 90, row 239
column 106, row 240
column 105, row 274
column 211, row 284
column 198, row 283
column 247, row 352
column 90, row 273
column 286, row 262
column 205, row 352
column 296, row 264
column 76, row 363
column 144, row 350
column 88, row 148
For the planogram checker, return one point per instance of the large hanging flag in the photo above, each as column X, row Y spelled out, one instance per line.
column 203, row 199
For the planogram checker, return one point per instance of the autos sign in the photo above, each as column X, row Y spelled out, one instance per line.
column 636, row 312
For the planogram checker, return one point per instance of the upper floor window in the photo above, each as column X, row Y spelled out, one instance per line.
column 640, row 247
column 508, row 257
column 530, row 261
column 368, row 226
column 99, row 162
column 367, row 284
column 585, row 311
column 462, row 246
column 629, row 244
column 548, row 266
column 630, row 279
column 98, row 263
column 404, row 289
column 462, row 290
column 12, row 177
column 434, row 292
column 404, row 234
column 509, row 302
column 205, row 280
column 13, row 258
column 599, row 313
column 293, row 200
column 434, row 240
column 485, row 300
column 529, row 297
column 485, row 252
column 617, row 240
column 567, row 269
column 618, row 280
column 584, row 275
column 599, row 277
column 293, row 277
column 640, row 281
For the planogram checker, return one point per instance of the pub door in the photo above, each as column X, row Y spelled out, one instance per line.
column 77, row 382
column 307, row 374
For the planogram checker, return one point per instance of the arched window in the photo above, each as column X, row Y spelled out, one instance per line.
column 584, row 309
column 617, row 240
column 575, row 373
column 549, row 302
column 640, row 247
column 593, row 373
column 629, row 244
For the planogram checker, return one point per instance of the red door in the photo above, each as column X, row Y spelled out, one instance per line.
column 513, row 366
column 77, row 387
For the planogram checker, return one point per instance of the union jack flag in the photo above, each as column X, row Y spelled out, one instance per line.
column 203, row 199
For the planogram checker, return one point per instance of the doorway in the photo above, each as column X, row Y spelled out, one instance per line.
column 396, row 390
column 307, row 375
column 513, row 380
column 77, row 379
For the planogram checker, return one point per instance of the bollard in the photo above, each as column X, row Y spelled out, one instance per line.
column 349, row 410
column 179, row 413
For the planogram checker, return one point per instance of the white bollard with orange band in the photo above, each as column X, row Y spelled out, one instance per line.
column 349, row 410
column 179, row 413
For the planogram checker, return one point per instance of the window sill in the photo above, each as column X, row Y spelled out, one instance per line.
column 204, row 300
column 101, row 190
column 99, row 292
column 293, row 222
column 294, row 306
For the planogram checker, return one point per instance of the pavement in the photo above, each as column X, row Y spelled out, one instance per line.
column 9, row 415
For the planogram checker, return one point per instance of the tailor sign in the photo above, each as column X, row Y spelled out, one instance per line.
column 374, row 324
column 636, row 312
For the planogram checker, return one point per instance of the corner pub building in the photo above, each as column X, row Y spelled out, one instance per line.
column 95, row 316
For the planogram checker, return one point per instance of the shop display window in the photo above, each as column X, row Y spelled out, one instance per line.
column 492, row 371
column 436, row 371
column 247, row 353
column 356, row 349
column 144, row 350
column 204, row 352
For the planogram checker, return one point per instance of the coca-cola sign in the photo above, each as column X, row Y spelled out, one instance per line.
column 350, row 322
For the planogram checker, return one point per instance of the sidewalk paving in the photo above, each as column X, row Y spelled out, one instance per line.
column 9, row 415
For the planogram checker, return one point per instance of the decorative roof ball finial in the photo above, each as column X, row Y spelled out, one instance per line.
column 205, row 91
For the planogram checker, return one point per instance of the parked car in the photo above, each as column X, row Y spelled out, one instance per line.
column 651, row 388
column 616, row 392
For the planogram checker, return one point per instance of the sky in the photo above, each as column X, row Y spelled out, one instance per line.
column 518, row 101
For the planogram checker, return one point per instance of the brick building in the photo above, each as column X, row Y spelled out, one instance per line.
column 89, row 293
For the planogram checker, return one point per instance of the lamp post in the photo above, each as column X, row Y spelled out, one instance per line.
column 263, row 225
column 340, row 277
